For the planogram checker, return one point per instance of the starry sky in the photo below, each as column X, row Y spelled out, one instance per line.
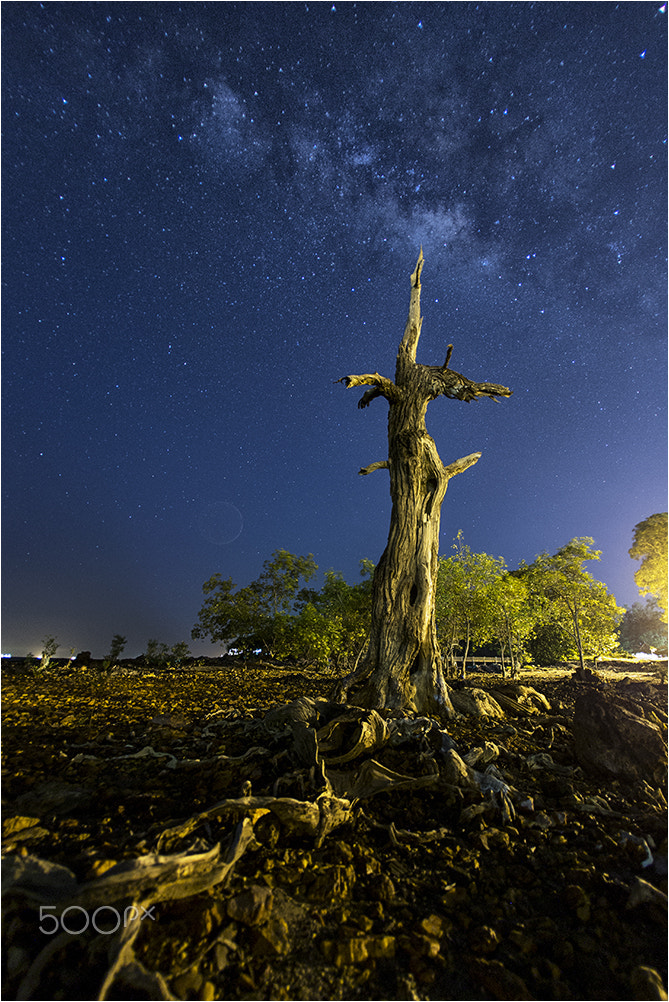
column 211, row 212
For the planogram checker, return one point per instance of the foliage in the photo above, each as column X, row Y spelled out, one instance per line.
column 568, row 598
column 650, row 547
column 465, row 605
column 341, row 613
column 549, row 611
column 550, row 644
column 480, row 603
column 512, row 616
column 116, row 649
column 168, row 657
column 643, row 626
column 49, row 647
column 273, row 616
column 254, row 617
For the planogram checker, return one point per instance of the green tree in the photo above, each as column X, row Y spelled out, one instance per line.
column 643, row 626
column 118, row 643
column 465, row 605
column 177, row 654
column 346, row 613
column 156, row 654
column 254, row 617
column 312, row 635
column 567, row 596
column 513, row 616
column 650, row 547
column 49, row 647
column 550, row 643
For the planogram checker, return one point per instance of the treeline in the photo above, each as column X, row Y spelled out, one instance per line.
column 546, row 612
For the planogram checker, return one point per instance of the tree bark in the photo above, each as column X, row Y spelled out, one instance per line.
column 402, row 668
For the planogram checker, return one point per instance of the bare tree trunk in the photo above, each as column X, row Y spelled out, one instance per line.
column 509, row 635
column 402, row 668
column 577, row 633
column 463, row 670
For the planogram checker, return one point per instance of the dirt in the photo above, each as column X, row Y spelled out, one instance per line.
column 427, row 890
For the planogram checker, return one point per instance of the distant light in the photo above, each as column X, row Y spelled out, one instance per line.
column 642, row 55
column 5, row 655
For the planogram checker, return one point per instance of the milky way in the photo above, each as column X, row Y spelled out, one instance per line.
column 211, row 212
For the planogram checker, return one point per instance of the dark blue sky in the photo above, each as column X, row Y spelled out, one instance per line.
column 211, row 212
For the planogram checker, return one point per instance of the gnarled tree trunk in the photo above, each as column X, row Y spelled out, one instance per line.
column 402, row 668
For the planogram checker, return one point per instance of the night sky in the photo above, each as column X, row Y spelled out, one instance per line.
column 211, row 212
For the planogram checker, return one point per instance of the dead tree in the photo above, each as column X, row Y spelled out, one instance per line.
column 402, row 669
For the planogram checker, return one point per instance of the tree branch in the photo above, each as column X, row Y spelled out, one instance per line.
column 449, row 383
column 383, row 464
column 382, row 387
column 460, row 465
column 409, row 341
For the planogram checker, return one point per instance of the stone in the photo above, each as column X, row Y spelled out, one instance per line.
column 576, row 898
column 10, row 826
column 273, row 938
column 646, row 983
column 55, row 797
column 332, row 883
column 611, row 740
column 252, row 906
column 498, row 981
column 382, row 889
column 100, row 866
column 188, row 985
column 433, row 925
column 483, row 939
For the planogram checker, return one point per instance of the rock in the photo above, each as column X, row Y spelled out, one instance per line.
column 10, row 826
column 643, row 893
column 273, row 938
column 100, row 866
column 498, row 981
column 188, row 985
column 382, row 889
column 358, row 949
column 251, row 907
column 611, row 740
column 576, row 898
column 476, row 703
column 55, row 797
column 483, row 939
column 433, row 925
column 646, row 983
column 332, row 883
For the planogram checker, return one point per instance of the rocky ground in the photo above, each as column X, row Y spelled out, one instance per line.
column 185, row 835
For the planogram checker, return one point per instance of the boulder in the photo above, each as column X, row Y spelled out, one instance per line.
column 611, row 739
